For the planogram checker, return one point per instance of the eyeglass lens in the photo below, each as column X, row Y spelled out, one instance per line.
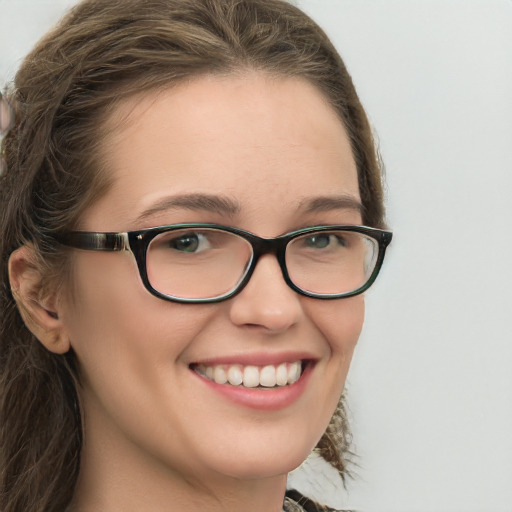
column 205, row 263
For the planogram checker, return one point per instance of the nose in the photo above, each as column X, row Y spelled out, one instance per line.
column 266, row 301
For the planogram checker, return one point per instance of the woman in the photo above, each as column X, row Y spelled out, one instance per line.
column 183, row 258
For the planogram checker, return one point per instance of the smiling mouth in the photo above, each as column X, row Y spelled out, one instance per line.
column 250, row 376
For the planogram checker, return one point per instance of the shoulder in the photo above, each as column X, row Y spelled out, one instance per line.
column 297, row 502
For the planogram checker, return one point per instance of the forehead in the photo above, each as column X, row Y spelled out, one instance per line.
column 261, row 140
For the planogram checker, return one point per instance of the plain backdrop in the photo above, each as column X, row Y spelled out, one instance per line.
column 430, row 388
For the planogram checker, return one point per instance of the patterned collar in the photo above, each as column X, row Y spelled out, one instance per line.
column 294, row 501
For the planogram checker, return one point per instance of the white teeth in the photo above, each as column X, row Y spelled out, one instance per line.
column 282, row 375
column 294, row 372
column 235, row 376
column 268, row 376
column 219, row 375
column 251, row 377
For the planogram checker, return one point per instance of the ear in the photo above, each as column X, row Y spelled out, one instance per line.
column 40, row 311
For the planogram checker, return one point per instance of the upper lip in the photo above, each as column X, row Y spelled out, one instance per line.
column 257, row 359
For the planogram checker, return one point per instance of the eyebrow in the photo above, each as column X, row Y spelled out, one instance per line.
column 227, row 206
column 329, row 203
column 202, row 202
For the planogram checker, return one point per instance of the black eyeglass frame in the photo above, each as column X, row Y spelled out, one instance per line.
column 137, row 242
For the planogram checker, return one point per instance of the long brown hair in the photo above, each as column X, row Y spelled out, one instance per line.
column 98, row 55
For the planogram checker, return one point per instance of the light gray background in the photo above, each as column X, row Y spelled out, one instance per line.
column 431, row 384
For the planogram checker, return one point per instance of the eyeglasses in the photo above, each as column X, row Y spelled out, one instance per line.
column 201, row 263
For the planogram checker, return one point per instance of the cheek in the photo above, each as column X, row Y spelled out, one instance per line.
column 340, row 322
column 116, row 325
column 129, row 347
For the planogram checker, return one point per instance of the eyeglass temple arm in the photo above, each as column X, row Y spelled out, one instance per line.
column 96, row 241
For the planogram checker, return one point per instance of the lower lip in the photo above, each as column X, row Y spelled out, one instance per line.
column 270, row 399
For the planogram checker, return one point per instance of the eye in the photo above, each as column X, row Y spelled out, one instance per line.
column 323, row 240
column 189, row 242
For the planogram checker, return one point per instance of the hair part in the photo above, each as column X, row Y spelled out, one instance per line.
column 100, row 54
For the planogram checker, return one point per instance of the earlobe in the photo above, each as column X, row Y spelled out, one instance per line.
column 40, row 311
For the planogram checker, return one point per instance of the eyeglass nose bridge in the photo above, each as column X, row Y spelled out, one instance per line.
column 262, row 247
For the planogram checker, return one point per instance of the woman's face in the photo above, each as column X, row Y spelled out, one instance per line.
column 276, row 152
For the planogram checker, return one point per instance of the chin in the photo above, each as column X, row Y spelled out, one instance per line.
column 265, row 463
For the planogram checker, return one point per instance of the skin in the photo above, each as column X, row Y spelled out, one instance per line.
column 5, row 115
column 156, row 437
